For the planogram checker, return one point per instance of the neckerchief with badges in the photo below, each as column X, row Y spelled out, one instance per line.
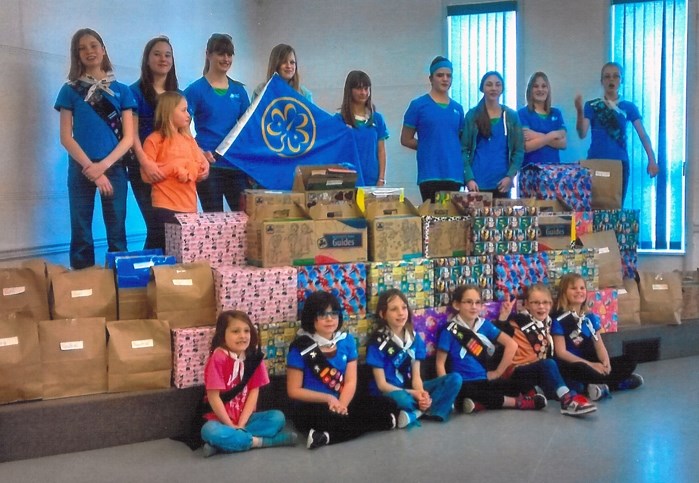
column 536, row 331
column 572, row 324
column 397, row 350
column 309, row 345
column 473, row 343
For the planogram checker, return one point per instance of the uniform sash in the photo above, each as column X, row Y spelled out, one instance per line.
column 608, row 120
column 330, row 376
column 536, row 332
column 572, row 324
column 469, row 340
column 401, row 358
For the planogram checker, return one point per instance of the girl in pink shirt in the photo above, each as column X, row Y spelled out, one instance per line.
column 233, row 376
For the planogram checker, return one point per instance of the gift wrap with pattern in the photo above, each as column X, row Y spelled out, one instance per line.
column 190, row 351
column 275, row 339
column 216, row 237
column 346, row 281
column 605, row 305
column 502, row 230
column 451, row 272
column 265, row 294
column 415, row 278
column 582, row 261
column 569, row 183
column 629, row 263
column 429, row 323
column 515, row 272
column 625, row 224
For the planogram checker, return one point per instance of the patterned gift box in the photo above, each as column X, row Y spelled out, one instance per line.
column 505, row 229
column 629, row 263
column 451, row 272
column 604, row 304
column 583, row 222
column 346, row 281
column 216, row 237
column 625, row 224
column 579, row 260
column 429, row 323
column 569, row 183
column 360, row 328
column 415, row 278
column 515, row 272
column 266, row 294
column 275, row 339
column 190, row 350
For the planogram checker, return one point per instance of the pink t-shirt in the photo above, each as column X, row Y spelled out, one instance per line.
column 218, row 374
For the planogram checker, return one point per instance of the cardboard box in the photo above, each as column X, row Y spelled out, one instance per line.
column 556, row 231
column 216, row 237
column 466, row 202
column 394, row 230
column 370, row 194
column 340, row 233
column 445, row 232
column 325, row 184
column 256, row 200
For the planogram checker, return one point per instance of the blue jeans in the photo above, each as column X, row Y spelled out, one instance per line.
column 222, row 182
column 81, row 195
column 142, row 193
column 443, row 391
column 263, row 424
column 543, row 373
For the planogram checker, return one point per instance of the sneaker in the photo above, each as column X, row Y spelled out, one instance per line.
column 597, row 391
column 631, row 382
column 282, row 438
column 316, row 439
column 406, row 418
column 209, row 450
column 469, row 406
column 576, row 405
column 538, row 401
column 534, row 391
column 393, row 421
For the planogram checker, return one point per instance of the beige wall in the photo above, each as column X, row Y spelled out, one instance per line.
column 392, row 40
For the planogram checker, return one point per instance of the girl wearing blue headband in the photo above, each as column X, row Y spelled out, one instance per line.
column 432, row 126
column 492, row 141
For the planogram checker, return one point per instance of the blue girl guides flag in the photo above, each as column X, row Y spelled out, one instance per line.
column 281, row 130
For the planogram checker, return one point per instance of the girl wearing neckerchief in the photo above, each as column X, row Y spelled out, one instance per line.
column 608, row 117
column 530, row 329
column 578, row 346
column 464, row 348
column 233, row 376
column 96, row 130
column 394, row 353
column 321, row 379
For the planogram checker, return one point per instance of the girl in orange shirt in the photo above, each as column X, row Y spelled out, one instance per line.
column 179, row 158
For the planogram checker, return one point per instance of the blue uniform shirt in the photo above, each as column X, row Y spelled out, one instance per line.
column 553, row 121
column 576, row 349
column 376, row 358
column 469, row 368
column 602, row 146
column 346, row 352
column 367, row 136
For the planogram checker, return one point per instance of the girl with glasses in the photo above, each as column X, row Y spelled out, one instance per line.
column 321, row 379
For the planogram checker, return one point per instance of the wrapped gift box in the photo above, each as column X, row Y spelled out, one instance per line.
column 415, row 278
column 515, row 272
column 275, row 339
column 347, row 281
column 451, row 272
column 629, row 263
column 582, row 261
column 429, row 323
column 216, row 237
column 359, row 328
column 505, row 229
column 604, row 304
column 625, row 224
column 583, row 222
column 190, row 351
column 569, row 183
column 266, row 294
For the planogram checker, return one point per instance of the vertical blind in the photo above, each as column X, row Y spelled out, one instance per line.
column 649, row 39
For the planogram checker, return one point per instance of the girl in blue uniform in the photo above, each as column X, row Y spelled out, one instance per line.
column 157, row 76
column 282, row 60
column 369, row 131
column 321, row 379
column 394, row 353
column 542, row 125
column 608, row 117
column 432, row 126
column 97, row 130
column 492, row 141
column 579, row 349
column 217, row 102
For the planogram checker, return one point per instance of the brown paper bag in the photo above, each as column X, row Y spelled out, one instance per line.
column 607, row 178
column 629, row 302
column 20, row 358
column 140, row 356
column 608, row 256
column 182, row 294
column 21, row 289
column 73, row 357
column 661, row 297
column 690, row 295
column 84, row 293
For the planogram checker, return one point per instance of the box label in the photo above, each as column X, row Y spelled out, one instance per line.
column 81, row 293
column 660, row 286
column 603, row 174
column 71, row 345
column 8, row 341
column 142, row 265
column 142, row 344
column 182, row 282
column 340, row 240
column 13, row 291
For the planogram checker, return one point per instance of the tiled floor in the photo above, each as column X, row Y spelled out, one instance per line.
column 647, row 435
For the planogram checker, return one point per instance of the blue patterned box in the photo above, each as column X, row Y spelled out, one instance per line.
column 569, row 183
column 429, row 323
column 451, row 272
column 625, row 224
column 347, row 281
column 515, row 272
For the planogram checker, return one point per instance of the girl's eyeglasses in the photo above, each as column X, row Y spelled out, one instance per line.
column 333, row 314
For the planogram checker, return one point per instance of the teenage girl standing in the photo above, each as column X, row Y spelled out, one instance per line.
column 282, row 60
column 157, row 76
column 96, row 130
column 369, row 128
column 217, row 102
